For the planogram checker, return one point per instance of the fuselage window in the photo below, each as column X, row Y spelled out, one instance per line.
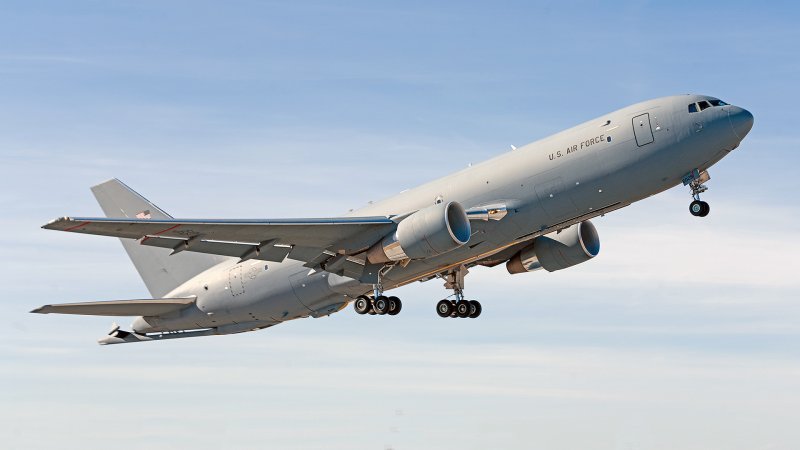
column 704, row 105
column 717, row 103
column 693, row 108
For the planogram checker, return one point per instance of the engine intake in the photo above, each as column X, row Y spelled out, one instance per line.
column 559, row 250
column 428, row 232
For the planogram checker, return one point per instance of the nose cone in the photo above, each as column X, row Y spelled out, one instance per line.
column 741, row 121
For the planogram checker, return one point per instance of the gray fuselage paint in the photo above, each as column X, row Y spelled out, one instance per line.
column 578, row 173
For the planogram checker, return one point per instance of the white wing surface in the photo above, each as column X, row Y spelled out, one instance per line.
column 311, row 240
column 144, row 307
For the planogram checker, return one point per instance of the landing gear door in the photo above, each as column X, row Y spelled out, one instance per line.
column 642, row 129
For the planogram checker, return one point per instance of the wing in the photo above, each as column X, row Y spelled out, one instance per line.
column 148, row 307
column 313, row 241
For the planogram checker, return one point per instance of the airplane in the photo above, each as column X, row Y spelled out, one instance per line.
column 529, row 208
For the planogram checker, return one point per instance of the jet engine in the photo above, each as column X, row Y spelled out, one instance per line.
column 428, row 232
column 559, row 250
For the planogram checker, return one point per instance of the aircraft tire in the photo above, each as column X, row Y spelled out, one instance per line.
column 444, row 308
column 476, row 309
column 362, row 305
column 395, row 305
column 696, row 208
column 706, row 209
column 463, row 309
column 381, row 305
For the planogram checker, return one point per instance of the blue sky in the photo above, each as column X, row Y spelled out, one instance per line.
column 683, row 333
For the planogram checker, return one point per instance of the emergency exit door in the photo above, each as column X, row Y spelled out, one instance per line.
column 642, row 130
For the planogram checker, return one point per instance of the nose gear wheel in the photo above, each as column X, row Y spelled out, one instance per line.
column 699, row 208
column 696, row 181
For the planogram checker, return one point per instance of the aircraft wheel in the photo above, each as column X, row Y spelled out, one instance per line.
column 395, row 305
column 475, row 310
column 362, row 305
column 381, row 305
column 706, row 209
column 463, row 309
column 444, row 308
column 696, row 208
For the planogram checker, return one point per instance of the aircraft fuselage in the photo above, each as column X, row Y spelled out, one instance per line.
column 591, row 169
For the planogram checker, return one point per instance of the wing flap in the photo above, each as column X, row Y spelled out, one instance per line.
column 141, row 307
column 267, row 251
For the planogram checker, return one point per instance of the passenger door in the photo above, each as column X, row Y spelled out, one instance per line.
column 236, row 280
column 642, row 129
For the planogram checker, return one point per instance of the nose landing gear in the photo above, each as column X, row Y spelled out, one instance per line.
column 699, row 208
column 696, row 181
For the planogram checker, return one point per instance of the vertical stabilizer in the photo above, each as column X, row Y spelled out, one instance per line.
column 160, row 272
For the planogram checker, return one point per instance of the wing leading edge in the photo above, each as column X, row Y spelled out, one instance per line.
column 143, row 307
column 272, row 240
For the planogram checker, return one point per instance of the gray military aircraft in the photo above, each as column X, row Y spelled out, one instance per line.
column 528, row 208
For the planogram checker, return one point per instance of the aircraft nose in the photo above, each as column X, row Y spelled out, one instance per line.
column 741, row 121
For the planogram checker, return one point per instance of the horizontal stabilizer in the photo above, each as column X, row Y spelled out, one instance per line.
column 117, row 336
column 143, row 307
column 124, row 337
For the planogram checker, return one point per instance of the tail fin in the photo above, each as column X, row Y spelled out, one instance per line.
column 160, row 272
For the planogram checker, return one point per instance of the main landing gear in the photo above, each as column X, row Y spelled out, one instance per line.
column 696, row 181
column 459, row 307
column 378, row 304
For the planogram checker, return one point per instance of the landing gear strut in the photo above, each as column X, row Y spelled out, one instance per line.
column 696, row 181
column 379, row 304
column 459, row 307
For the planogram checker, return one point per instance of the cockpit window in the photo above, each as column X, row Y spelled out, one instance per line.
column 705, row 104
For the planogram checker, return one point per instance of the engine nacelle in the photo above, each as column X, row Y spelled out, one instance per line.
column 559, row 250
column 428, row 232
